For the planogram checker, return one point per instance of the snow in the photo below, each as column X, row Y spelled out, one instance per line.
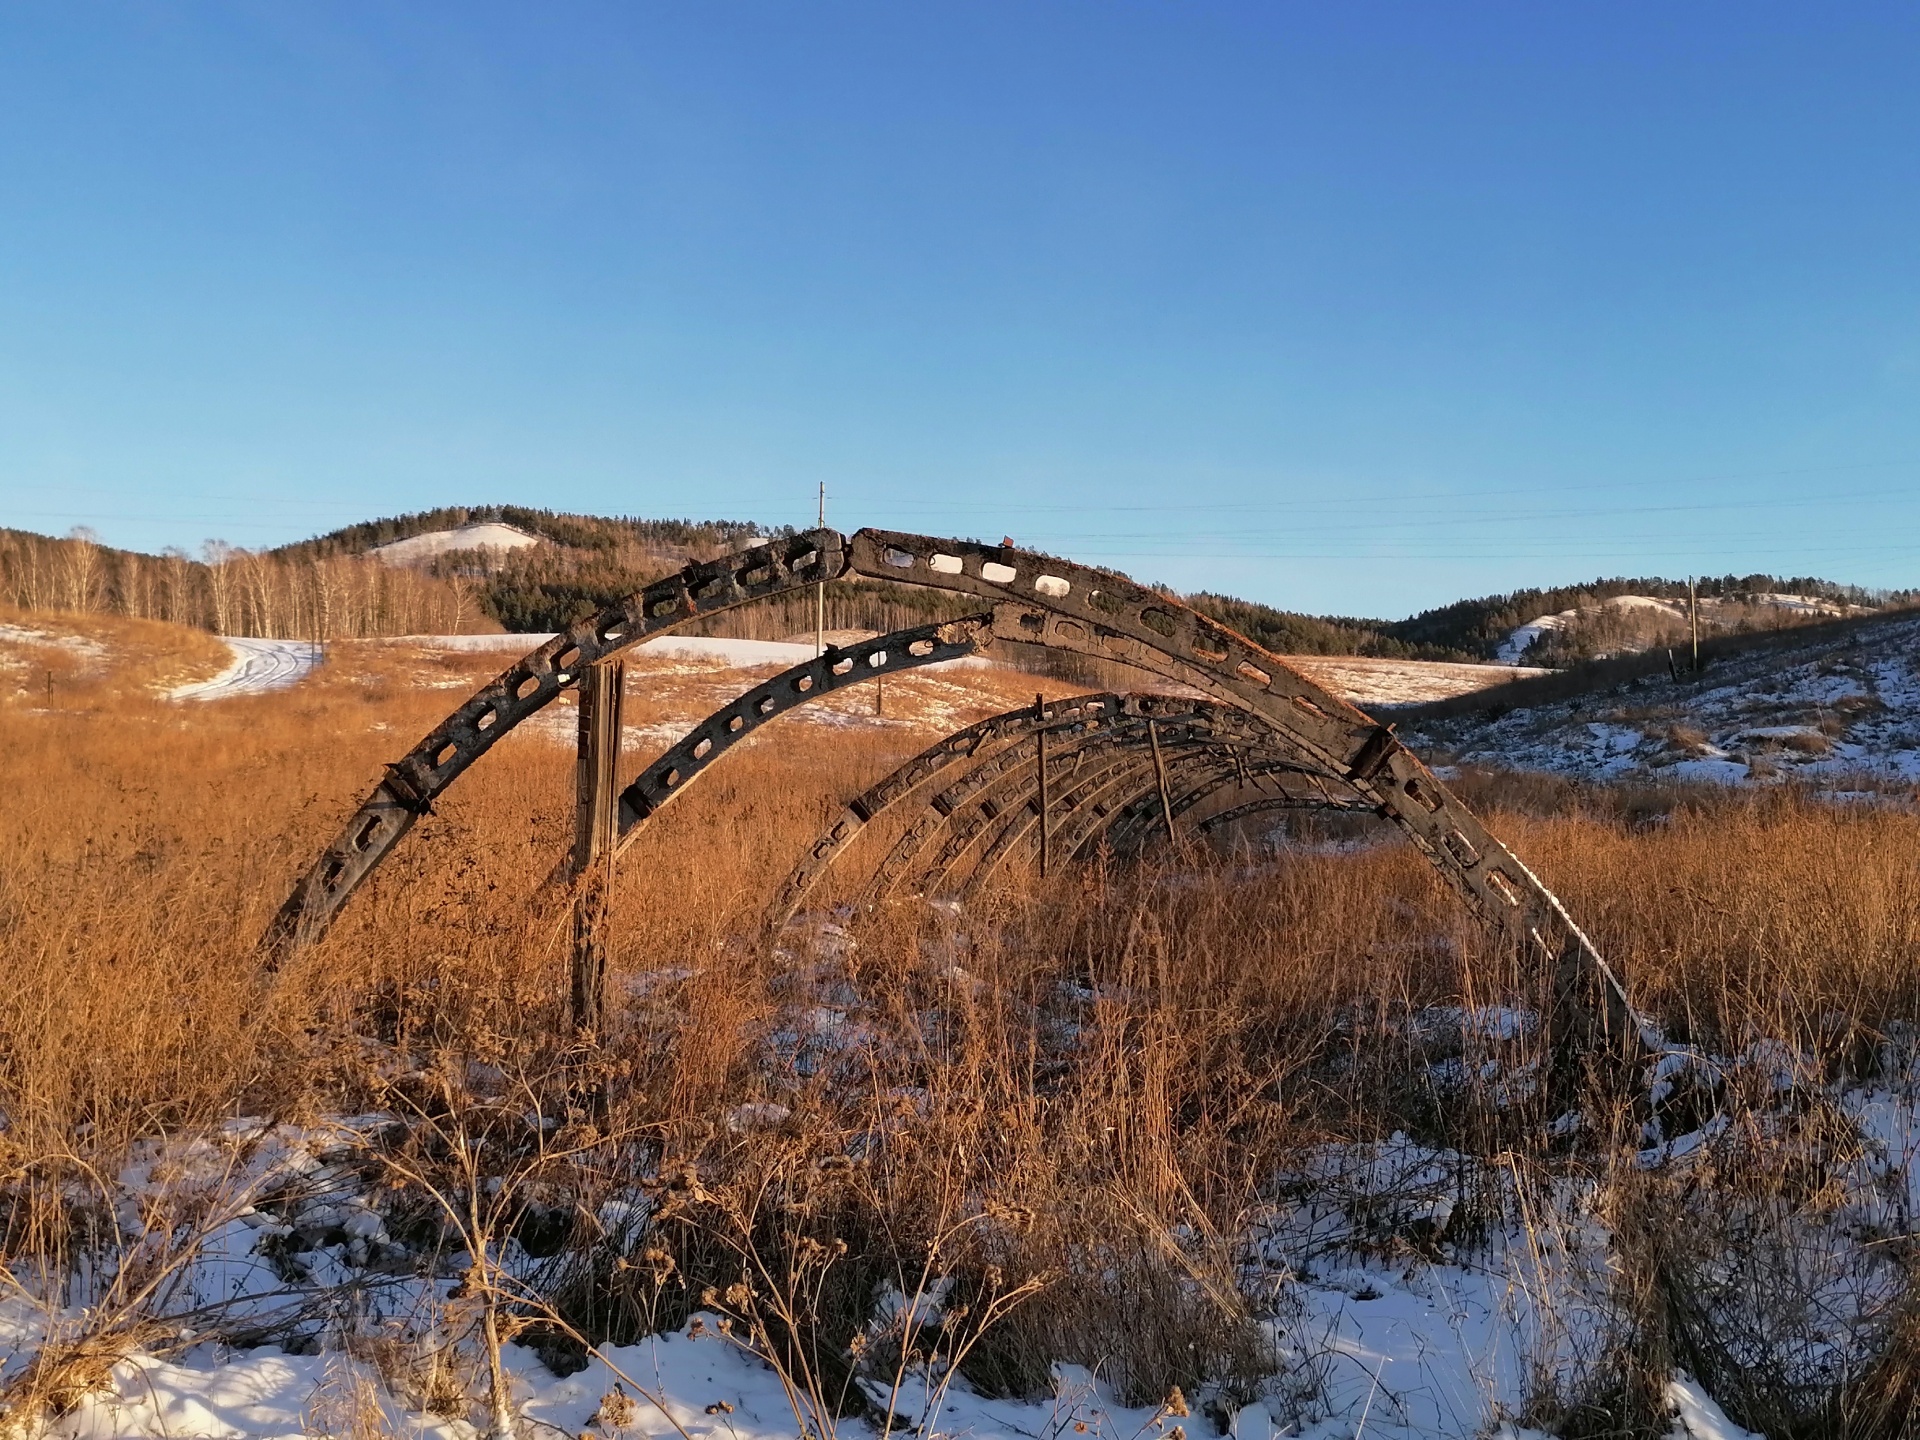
column 1841, row 712
column 1699, row 1416
column 1513, row 649
column 1384, row 1314
column 1515, row 645
column 1368, row 680
column 258, row 666
column 486, row 535
column 79, row 646
column 517, row 643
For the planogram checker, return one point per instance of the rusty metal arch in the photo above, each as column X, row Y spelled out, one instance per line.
column 1088, row 823
column 1267, row 805
column 915, row 775
column 1000, row 803
column 1074, row 607
column 1036, row 600
column 1139, row 817
column 690, row 756
column 1004, row 781
column 415, row 780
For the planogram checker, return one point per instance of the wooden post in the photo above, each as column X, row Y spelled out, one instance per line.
column 1040, row 738
column 595, row 828
column 1160, row 775
column 820, row 591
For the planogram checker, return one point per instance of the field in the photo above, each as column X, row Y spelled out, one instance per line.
column 1250, row 1138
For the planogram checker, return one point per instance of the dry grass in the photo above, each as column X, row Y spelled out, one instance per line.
column 1219, row 1020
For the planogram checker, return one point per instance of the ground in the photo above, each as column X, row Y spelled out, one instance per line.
column 1395, row 1286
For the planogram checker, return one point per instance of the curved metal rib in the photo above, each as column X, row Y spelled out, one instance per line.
column 689, row 757
column 960, row 748
column 1040, row 600
column 1073, row 607
column 418, row 777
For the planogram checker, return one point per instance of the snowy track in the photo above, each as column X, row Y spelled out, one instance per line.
column 258, row 666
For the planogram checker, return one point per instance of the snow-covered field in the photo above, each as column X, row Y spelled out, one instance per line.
column 258, row 666
column 1829, row 711
column 1365, row 680
column 1404, row 1290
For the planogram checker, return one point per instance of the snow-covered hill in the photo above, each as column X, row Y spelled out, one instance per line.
column 486, row 535
column 1837, row 710
column 1716, row 615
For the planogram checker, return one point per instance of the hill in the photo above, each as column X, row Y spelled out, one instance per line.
column 523, row 569
column 1832, row 705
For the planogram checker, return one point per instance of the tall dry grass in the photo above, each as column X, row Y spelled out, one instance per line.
column 1111, row 1057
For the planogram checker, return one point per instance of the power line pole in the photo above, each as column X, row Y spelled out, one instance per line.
column 820, row 591
column 1693, row 617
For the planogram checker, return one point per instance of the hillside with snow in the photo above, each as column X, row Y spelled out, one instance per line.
column 429, row 545
column 1629, row 624
column 1841, row 711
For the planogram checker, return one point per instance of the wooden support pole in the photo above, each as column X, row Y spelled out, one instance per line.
column 596, row 826
column 1160, row 775
column 1040, row 738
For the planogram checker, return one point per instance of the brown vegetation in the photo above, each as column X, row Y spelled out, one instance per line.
column 1222, row 1021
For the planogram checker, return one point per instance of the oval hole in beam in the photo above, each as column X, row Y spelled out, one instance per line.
column 898, row 558
column 1052, row 585
column 946, row 564
column 997, row 574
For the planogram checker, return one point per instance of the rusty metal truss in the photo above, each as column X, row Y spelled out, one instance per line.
column 1118, row 765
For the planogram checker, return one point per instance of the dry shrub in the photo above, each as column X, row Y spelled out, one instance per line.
column 1112, row 1057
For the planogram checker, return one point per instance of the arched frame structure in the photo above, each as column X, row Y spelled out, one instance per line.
column 1033, row 599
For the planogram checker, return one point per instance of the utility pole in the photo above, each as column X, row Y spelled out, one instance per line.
column 1693, row 616
column 820, row 591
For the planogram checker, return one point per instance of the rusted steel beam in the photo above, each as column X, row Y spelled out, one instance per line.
column 414, row 781
column 690, row 756
column 1037, row 599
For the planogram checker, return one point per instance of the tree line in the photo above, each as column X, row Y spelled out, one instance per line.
column 231, row 591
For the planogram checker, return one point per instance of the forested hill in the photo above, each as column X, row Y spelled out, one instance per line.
column 332, row 585
column 602, row 533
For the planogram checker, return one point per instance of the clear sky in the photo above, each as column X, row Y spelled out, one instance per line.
column 1347, row 307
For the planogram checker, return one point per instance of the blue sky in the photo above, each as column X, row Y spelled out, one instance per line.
column 1350, row 308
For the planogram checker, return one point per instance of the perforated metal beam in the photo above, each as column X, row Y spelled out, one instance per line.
column 414, row 781
column 1038, row 600
column 1074, row 607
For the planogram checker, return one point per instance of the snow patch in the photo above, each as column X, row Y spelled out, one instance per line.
column 257, row 666
column 486, row 535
